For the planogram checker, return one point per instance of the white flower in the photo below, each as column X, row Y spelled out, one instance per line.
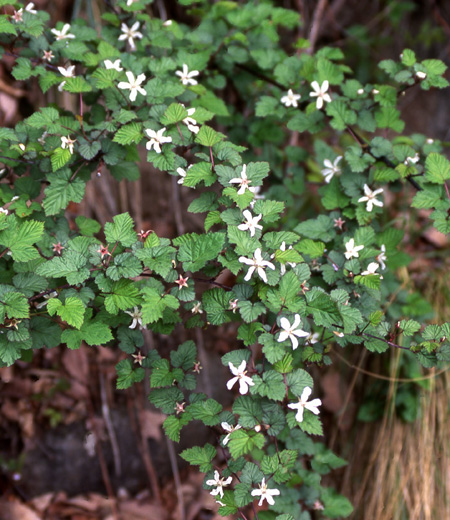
column 256, row 195
column 233, row 305
column 190, row 122
column 352, row 250
column 63, row 33
column 290, row 99
column 67, row 142
column 313, row 338
column 186, row 76
column 230, row 429
column 4, row 211
column 412, row 160
column 291, row 331
column 243, row 181
column 130, row 34
column 67, row 73
column 251, row 223
column 371, row 269
column 382, row 257
column 48, row 56
column 302, row 404
column 283, row 266
column 375, row 91
column 321, row 93
column 370, row 198
column 196, row 309
column 239, row 373
column 182, row 174
column 360, row 91
column 256, row 263
column 29, row 9
column 331, row 168
column 133, row 85
column 168, row 23
column 219, row 482
column 130, row 2
column 113, row 65
column 421, row 75
column 265, row 493
column 47, row 297
column 157, row 139
column 137, row 319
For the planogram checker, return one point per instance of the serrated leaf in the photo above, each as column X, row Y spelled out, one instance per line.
column 61, row 191
column 437, row 168
column 128, row 134
column 243, row 442
column 201, row 457
column 71, row 311
column 207, row 136
column 121, row 230
column 19, row 237
column 196, row 250
column 59, row 158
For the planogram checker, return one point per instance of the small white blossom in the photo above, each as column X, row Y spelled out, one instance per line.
column 313, row 338
column 233, row 305
column 243, row 181
column 67, row 142
column 22, row 147
column 67, row 73
column 130, row 34
column 321, row 93
column 168, row 23
column 190, row 122
column 412, row 160
column 63, row 33
column 157, row 139
column 303, row 403
column 430, row 141
column 256, row 195
column 186, row 77
column 331, row 168
column 251, row 223
column 113, row 65
column 290, row 100
column 219, row 482
column 371, row 269
column 48, row 56
column 137, row 319
column 4, row 211
column 29, row 9
column 196, row 309
column 240, row 375
column 133, row 85
column 230, row 429
column 256, row 263
column 182, row 174
column 265, row 493
column 130, row 2
column 370, row 198
column 375, row 91
column 360, row 91
column 291, row 331
column 421, row 75
column 382, row 257
column 352, row 250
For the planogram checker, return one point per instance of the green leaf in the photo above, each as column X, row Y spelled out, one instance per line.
column 437, row 168
column 92, row 332
column 15, row 305
column 271, row 385
column 216, row 303
column 76, row 85
column 175, row 113
column 19, row 237
column 199, row 172
column 61, row 191
column 121, row 230
column 298, row 380
column 71, row 264
column 124, row 295
column 59, row 158
column 185, row 356
column 201, row 457
column 155, row 304
column 71, row 311
column 207, row 136
column 127, row 375
column 389, row 117
column 196, row 250
column 128, row 134
column 336, row 506
column 206, row 411
column 341, row 115
column 243, row 442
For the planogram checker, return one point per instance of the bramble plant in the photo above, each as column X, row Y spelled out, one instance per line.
column 303, row 286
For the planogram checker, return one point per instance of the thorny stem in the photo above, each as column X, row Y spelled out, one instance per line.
column 84, row 163
column 212, row 158
column 446, row 190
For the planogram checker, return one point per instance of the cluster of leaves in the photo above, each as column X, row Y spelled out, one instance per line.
column 301, row 288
